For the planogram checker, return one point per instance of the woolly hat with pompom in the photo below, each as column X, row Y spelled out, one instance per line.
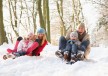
column 75, row 34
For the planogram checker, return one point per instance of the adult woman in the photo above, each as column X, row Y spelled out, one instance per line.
column 35, row 49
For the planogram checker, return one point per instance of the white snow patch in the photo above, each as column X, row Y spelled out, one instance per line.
column 49, row 65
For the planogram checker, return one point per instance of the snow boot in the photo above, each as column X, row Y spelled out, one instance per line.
column 73, row 59
column 80, row 55
column 7, row 56
column 59, row 54
column 66, row 55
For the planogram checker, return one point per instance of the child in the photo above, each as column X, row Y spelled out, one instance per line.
column 22, row 47
column 73, row 48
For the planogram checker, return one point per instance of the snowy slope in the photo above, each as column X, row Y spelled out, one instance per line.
column 49, row 65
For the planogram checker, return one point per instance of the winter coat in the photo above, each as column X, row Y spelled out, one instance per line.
column 87, row 52
column 77, row 42
column 86, row 37
column 39, row 49
column 24, row 45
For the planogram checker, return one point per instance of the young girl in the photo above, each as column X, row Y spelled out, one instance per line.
column 22, row 47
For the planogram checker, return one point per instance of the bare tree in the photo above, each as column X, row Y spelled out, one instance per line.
column 60, row 12
column 48, row 21
column 77, row 13
column 13, row 15
column 3, row 37
column 34, row 14
column 40, row 14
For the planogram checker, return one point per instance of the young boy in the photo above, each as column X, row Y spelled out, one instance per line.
column 73, row 49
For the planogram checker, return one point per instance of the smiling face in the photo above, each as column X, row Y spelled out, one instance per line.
column 40, row 35
column 73, row 37
column 81, row 30
column 30, row 36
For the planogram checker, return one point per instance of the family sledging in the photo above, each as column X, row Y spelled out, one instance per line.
column 31, row 45
column 72, row 48
column 75, row 46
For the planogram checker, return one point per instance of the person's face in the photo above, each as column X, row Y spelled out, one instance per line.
column 40, row 35
column 73, row 37
column 30, row 37
column 81, row 30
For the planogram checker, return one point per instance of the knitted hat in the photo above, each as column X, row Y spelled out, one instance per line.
column 41, row 30
column 81, row 25
column 75, row 34
column 30, row 34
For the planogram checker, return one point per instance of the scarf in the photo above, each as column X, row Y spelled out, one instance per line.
column 80, row 37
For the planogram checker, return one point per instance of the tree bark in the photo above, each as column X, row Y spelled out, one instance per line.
column 41, row 15
column 60, row 12
column 3, row 37
column 48, row 20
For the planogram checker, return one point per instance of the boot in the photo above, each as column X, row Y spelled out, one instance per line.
column 80, row 55
column 7, row 56
column 73, row 59
column 59, row 54
column 4, row 57
column 66, row 55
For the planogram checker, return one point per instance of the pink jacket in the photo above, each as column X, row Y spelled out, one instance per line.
column 24, row 45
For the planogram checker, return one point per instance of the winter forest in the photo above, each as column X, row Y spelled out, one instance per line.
column 19, row 17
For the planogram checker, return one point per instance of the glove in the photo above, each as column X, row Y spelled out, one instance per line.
column 19, row 38
column 73, row 41
column 39, row 41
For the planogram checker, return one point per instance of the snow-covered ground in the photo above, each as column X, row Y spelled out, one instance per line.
column 49, row 65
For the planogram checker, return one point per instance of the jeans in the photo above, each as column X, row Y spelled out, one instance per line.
column 62, row 43
column 19, row 53
column 84, row 45
column 71, row 48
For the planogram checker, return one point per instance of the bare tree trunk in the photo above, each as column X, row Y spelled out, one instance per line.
column 60, row 11
column 44, row 12
column 48, row 20
column 74, row 14
column 34, row 14
column 77, row 13
column 3, row 37
column 40, row 14
column 13, row 22
column 27, row 14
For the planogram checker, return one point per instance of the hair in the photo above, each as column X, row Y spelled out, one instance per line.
column 43, row 39
column 81, row 25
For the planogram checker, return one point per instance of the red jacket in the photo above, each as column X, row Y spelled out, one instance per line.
column 40, row 48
